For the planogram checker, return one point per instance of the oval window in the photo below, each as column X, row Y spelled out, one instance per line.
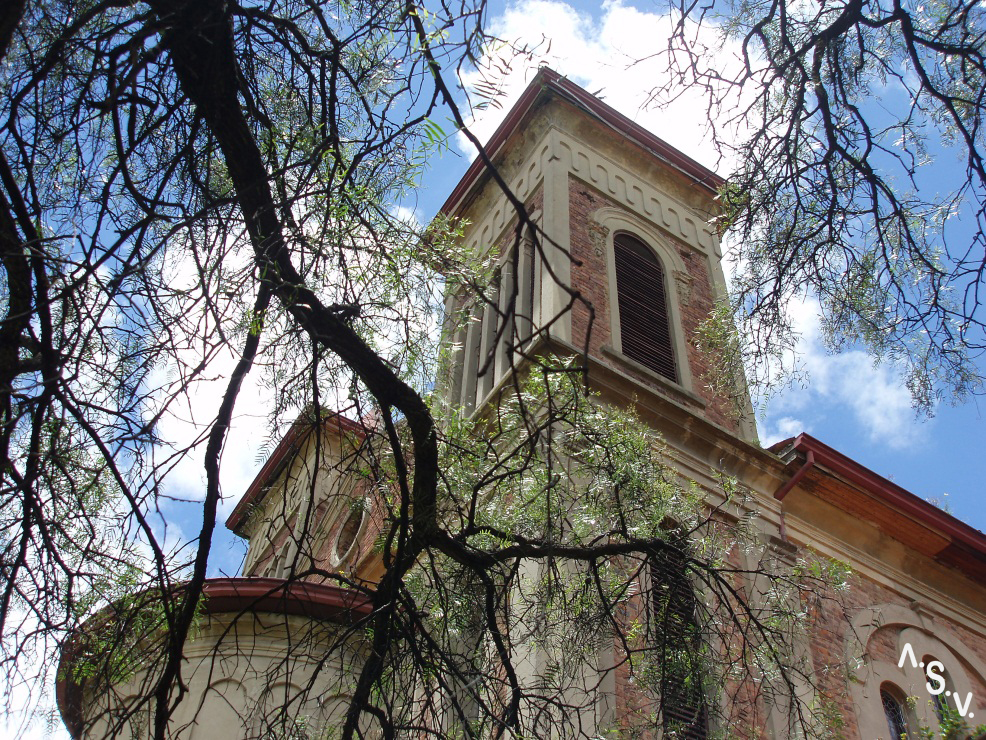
column 349, row 532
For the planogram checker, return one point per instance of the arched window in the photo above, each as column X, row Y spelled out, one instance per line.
column 679, row 640
column 893, row 710
column 349, row 532
column 345, row 547
column 938, row 701
column 645, row 326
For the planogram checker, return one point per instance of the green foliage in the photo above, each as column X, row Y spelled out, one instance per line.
column 718, row 339
column 554, row 476
column 185, row 219
column 951, row 725
column 123, row 632
column 568, row 468
column 874, row 211
column 834, row 573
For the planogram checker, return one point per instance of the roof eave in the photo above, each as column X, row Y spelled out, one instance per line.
column 289, row 445
column 548, row 80
column 889, row 492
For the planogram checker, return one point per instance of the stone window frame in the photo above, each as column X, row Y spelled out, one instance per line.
column 605, row 224
column 363, row 505
column 899, row 697
column 927, row 636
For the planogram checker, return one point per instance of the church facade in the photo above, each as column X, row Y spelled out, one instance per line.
column 625, row 269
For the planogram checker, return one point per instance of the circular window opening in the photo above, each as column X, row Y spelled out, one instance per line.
column 348, row 533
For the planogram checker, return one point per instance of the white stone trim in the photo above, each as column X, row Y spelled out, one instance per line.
column 552, row 161
column 563, row 154
column 611, row 221
column 336, row 558
column 918, row 629
column 479, row 238
column 656, row 206
column 881, row 572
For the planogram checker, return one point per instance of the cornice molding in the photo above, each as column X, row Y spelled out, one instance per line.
column 630, row 191
column 564, row 155
column 887, row 575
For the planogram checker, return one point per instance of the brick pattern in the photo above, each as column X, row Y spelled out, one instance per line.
column 590, row 278
column 830, row 626
column 740, row 713
column 830, row 616
column 882, row 645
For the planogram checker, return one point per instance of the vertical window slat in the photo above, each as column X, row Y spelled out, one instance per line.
column 471, row 361
column 488, row 334
column 508, row 336
column 523, row 321
column 676, row 631
column 645, row 325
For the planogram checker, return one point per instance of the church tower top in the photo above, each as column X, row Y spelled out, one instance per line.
column 615, row 258
column 547, row 84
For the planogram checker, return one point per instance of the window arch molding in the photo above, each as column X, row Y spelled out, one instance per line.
column 923, row 635
column 346, row 540
column 609, row 222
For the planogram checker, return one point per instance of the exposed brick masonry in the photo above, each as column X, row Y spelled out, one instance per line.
column 830, row 634
column 591, row 279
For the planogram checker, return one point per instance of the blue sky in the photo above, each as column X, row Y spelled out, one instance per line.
column 861, row 410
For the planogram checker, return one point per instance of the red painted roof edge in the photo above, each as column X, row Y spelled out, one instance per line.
column 888, row 491
column 321, row 601
column 549, row 79
column 300, row 429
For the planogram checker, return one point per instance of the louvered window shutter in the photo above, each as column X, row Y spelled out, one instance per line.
column 678, row 638
column 645, row 326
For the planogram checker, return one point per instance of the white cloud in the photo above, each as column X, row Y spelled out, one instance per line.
column 31, row 712
column 33, row 724
column 195, row 401
column 191, row 417
column 872, row 396
column 409, row 216
column 782, row 428
column 620, row 52
column 620, row 55
column 875, row 394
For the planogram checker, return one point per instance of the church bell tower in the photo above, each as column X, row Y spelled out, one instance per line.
column 616, row 261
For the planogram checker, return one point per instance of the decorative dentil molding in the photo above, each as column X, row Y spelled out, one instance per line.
column 564, row 154
column 630, row 191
